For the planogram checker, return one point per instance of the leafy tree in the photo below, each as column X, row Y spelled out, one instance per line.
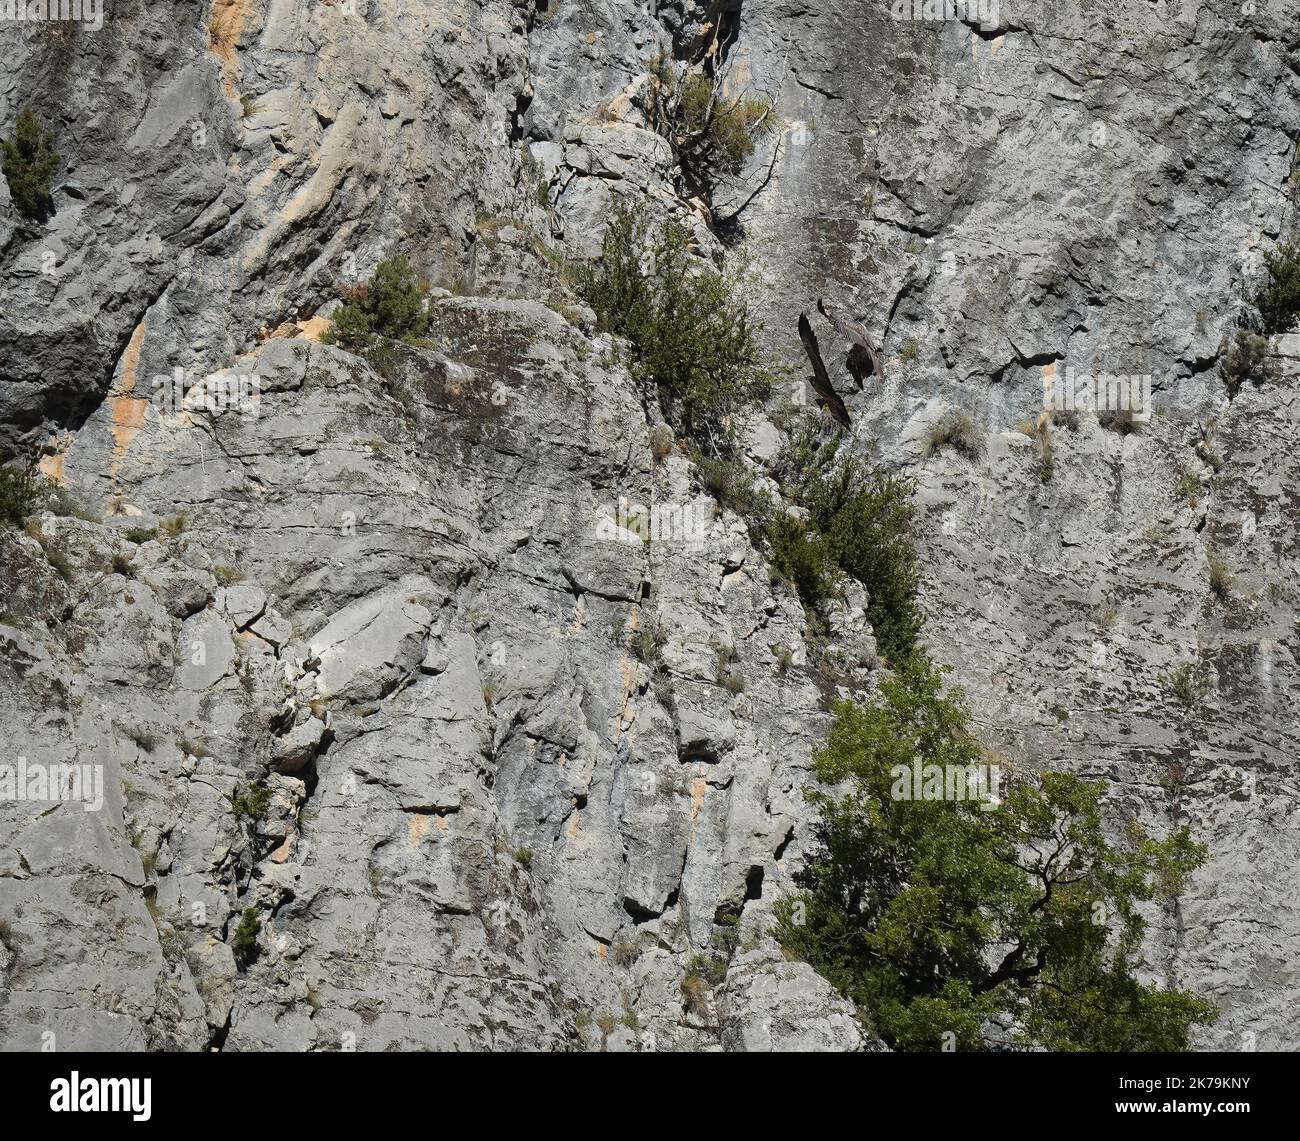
column 390, row 306
column 30, row 165
column 937, row 916
column 693, row 337
column 1278, row 302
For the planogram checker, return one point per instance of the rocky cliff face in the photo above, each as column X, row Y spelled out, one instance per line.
column 522, row 772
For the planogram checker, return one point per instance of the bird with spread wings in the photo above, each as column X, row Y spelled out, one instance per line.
column 864, row 360
column 820, row 379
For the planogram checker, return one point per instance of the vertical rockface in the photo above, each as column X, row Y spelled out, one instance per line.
column 513, row 793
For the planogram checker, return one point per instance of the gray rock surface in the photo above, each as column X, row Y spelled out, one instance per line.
column 496, row 818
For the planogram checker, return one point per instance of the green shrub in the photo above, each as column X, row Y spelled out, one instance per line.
column 30, row 164
column 390, row 306
column 799, row 553
column 1188, row 685
column 244, row 942
column 253, row 804
column 692, row 336
column 20, row 491
column 524, row 857
column 730, row 483
column 1278, row 302
column 859, row 523
column 865, row 517
column 936, row 916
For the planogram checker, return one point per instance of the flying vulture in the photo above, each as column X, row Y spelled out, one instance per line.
column 863, row 360
column 820, row 379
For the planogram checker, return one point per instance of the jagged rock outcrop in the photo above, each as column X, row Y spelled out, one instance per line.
column 522, row 766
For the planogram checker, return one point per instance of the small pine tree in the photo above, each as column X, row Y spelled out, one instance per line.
column 244, row 943
column 30, row 164
column 389, row 306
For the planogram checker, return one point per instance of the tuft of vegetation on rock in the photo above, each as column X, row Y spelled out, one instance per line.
column 252, row 804
column 853, row 520
column 957, row 430
column 942, row 918
column 30, row 164
column 1246, row 358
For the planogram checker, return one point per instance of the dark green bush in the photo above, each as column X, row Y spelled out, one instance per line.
column 253, row 804
column 244, row 942
column 865, row 516
column 800, row 553
column 19, row 492
column 390, row 306
column 30, row 164
column 938, row 916
column 1278, row 302
column 859, row 524
column 693, row 338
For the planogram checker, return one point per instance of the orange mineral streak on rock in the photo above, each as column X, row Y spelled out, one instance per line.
column 285, row 850
column 415, row 829
column 442, row 824
column 698, row 788
column 127, row 409
column 51, row 468
column 225, row 25
column 314, row 328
